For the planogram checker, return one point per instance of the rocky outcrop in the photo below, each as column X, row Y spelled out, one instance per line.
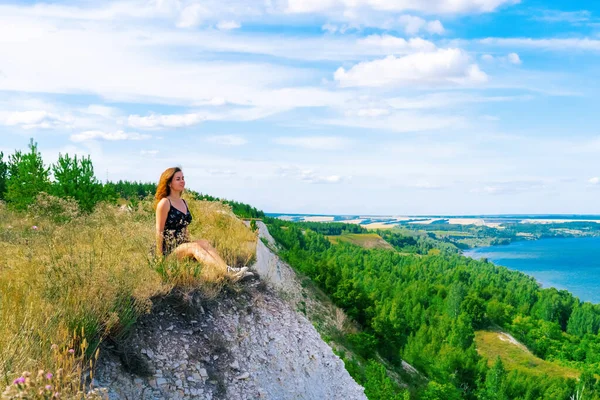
column 247, row 343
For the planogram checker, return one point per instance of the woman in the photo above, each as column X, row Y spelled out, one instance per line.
column 172, row 218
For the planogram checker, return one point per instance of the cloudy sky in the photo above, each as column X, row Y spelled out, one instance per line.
column 318, row 106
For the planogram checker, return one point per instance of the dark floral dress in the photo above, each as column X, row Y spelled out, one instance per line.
column 174, row 230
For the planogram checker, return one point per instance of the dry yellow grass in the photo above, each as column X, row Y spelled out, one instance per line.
column 60, row 276
column 366, row 240
column 215, row 222
column 491, row 344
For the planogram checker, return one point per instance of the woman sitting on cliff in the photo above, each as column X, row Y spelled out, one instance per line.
column 172, row 218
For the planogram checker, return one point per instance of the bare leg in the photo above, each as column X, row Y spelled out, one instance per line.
column 204, row 253
column 195, row 250
column 213, row 252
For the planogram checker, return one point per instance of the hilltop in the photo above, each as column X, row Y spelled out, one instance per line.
column 246, row 343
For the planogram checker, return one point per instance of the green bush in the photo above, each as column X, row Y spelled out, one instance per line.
column 27, row 176
column 3, row 176
column 74, row 177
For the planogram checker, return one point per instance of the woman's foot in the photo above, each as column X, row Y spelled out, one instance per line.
column 238, row 276
column 235, row 270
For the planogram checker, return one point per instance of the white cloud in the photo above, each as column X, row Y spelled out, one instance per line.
column 513, row 187
column 444, row 66
column 220, row 172
column 349, row 7
column 294, row 98
column 215, row 101
column 550, row 44
column 192, row 16
column 311, row 177
column 145, row 71
column 101, row 110
column 396, row 44
column 192, row 13
column 157, row 121
column 573, row 17
column 435, row 27
column 308, row 175
column 314, row 142
column 514, row 58
column 447, row 100
column 372, row 112
column 34, row 119
column 109, row 136
column 330, row 28
column 511, row 58
column 149, row 152
column 400, row 122
column 227, row 140
column 594, row 181
column 425, row 185
column 413, row 25
column 228, row 25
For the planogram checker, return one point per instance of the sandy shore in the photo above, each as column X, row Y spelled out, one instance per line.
column 318, row 219
column 473, row 221
column 554, row 221
column 388, row 222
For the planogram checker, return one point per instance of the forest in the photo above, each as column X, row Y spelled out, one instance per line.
column 425, row 308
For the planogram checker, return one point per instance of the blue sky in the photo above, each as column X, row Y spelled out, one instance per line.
column 318, row 106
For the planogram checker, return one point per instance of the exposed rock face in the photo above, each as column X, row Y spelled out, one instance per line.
column 246, row 344
column 271, row 268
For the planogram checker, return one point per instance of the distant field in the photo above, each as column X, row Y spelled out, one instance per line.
column 457, row 234
column 516, row 356
column 366, row 240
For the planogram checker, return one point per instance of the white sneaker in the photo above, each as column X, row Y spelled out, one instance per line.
column 235, row 270
column 238, row 276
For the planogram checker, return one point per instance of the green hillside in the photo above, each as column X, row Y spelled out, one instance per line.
column 429, row 308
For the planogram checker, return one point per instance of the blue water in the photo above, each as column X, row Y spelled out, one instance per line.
column 572, row 264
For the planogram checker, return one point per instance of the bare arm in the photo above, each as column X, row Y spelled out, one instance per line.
column 162, row 210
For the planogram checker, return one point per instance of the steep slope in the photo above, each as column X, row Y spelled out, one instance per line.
column 247, row 343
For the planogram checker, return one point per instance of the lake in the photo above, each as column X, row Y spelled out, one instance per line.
column 572, row 264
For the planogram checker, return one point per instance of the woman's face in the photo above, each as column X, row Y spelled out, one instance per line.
column 178, row 182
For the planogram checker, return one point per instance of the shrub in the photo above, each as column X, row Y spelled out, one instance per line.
column 27, row 177
column 74, row 178
column 54, row 208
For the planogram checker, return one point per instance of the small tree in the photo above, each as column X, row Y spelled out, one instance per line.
column 3, row 176
column 27, row 177
column 494, row 382
column 74, row 177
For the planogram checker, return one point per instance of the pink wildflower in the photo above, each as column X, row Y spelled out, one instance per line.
column 48, row 387
column 20, row 380
column 35, row 228
column 71, row 351
column 49, row 375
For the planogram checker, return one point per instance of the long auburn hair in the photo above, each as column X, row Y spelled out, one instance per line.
column 163, row 189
